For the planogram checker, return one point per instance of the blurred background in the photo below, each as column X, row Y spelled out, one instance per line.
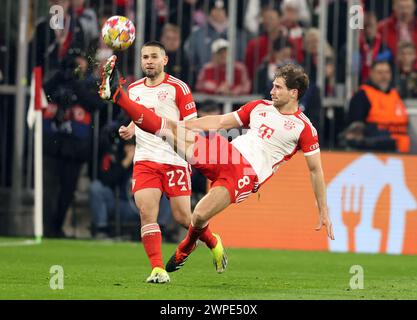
column 360, row 56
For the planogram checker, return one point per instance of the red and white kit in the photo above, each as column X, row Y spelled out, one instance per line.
column 171, row 99
column 272, row 139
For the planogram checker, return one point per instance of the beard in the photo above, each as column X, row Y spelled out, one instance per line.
column 279, row 103
column 152, row 74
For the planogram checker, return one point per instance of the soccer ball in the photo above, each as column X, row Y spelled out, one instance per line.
column 118, row 33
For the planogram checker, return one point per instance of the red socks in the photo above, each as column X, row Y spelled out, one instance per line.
column 152, row 240
column 207, row 237
column 143, row 117
column 188, row 244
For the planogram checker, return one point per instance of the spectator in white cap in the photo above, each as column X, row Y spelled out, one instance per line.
column 212, row 77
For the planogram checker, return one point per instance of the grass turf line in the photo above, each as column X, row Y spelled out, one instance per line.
column 106, row 270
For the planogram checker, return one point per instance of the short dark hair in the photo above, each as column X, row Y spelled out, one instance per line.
column 155, row 44
column 377, row 62
column 294, row 76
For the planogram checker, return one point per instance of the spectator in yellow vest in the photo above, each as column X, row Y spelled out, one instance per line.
column 377, row 109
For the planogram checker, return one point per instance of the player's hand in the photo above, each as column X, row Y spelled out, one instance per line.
column 324, row 220
column 126, row 133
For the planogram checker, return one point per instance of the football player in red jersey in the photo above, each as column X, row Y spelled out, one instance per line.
column 277, row 129
column 157, row 167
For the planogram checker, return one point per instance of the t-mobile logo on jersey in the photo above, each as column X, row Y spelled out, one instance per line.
column 265, row 132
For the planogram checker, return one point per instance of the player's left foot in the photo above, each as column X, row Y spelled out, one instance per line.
column 219, row 255
column 158, row 275
column 177, row 260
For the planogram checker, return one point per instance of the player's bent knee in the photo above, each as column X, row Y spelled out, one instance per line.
column 199, row 219
column 147, row 213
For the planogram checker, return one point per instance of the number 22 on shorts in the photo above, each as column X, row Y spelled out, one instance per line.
column 179, row 175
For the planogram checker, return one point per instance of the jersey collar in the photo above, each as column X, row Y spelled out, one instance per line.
column 163, row 81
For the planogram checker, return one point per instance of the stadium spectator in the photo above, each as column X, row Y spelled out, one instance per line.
column 49, row 46
column 258, row 48
column 311, row 51
column 80, row 32
column 406, row 75
column 186, row 14
column 254, row 7
column 401, row 26
column 311, row 47
column 67, row 136
column 212, row 77
column 156, row 16
column 329, row 75
column 293, row 30
column 87, row 19
column 110, row 194
column 303, row 10
column 198, row 44
column 378, row 118
column 371, row 46
column 281, row 53
column 311, row 105
column 177, row 61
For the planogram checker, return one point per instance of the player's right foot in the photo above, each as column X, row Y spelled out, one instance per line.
column 158, row 275
column 177, row 260
column 111, row 82
column 219, row 255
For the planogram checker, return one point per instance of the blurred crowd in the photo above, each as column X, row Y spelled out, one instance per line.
column 194, row 32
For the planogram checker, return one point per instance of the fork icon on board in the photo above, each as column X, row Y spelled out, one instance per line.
column 351, row 215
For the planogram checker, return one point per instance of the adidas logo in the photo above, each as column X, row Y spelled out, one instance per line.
column 183, row 188
column 137, row 99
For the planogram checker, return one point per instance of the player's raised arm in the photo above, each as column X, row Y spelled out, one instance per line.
column 216, row 122
column 319, row 187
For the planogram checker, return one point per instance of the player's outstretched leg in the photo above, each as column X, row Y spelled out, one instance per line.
column 184, row 249
column 188, row 245
column 111, row 89
column 214, row 202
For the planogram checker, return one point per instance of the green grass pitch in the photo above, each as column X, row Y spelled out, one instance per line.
column 117, row 270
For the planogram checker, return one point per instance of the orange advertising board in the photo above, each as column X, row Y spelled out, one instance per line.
column 372, row 200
